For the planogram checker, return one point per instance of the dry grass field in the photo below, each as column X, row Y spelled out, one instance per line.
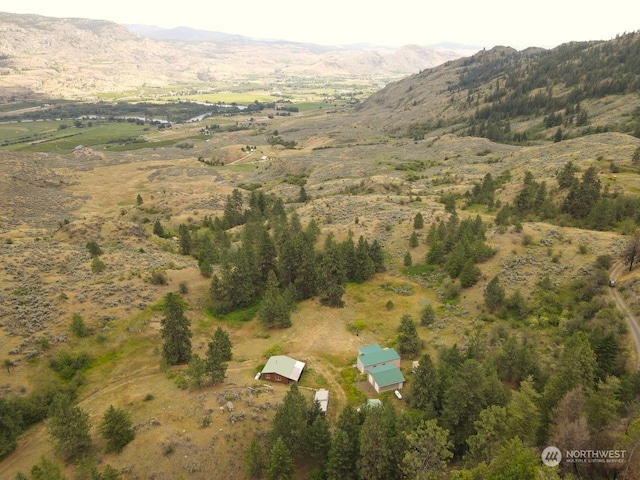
column 52, row 205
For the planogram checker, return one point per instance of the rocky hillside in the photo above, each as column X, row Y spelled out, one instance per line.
column 519, row 96
column 76, row 57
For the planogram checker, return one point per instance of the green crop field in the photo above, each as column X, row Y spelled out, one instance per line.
column 50, row 136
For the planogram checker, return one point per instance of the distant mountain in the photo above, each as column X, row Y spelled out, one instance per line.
column 73, row 57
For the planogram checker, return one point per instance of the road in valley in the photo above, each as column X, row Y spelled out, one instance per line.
column 628, row 314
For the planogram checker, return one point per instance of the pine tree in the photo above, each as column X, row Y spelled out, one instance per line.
column 429, row 451
column 290, row 423
column 428, row 315
column 158, row 229
column 10, row 426
column 116, row 428
column 196, row 371
column 223, row 344
column 254, row 459
column 425, row 388
column 418, row 221
column 409, row 342
column 185, row 239
column 280, row 465
column 413, row 240
column 469, row 275
column 69, row 428
column 494, row 294
column 175, row 331
column 215, row 365
column 332, row 275
column 345, row 447
column 275, row 311
column 407, row 259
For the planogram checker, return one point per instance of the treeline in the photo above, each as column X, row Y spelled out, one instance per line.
column 276, row 261
column 174, row 112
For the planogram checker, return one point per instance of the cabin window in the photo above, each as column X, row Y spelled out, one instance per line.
column 267, row 375
column 278, row 378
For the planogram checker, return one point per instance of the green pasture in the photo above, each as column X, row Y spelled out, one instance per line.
column 49, row 137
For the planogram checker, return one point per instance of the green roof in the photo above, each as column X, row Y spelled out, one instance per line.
column 386, row 375
column 373, row 355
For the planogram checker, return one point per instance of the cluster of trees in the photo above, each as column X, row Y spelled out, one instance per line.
column 276, row 261
column 458, row 245
column 69, row 427
column 177, row 349
column 581, row 202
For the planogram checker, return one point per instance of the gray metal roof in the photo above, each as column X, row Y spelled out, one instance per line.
column 284, row 366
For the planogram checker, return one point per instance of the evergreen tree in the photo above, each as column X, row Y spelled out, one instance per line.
column 116, row 428
column 345, row 447
column 94, row 249
column 523, row 414
column 196, row 371
column 45, row 469
column 280, row 465
column 319, row 441
column 428, row 453
column 69, row 428
column 332, row 275
column 233, row 214
column 491, row 428
column 427, row 315
column 158, row 229
column 425, row 388
column 407, row 259
column 473, row 388
column 494, row 294
column 139, row 200
column 380, row 452
column 632, row 250
column 222, row 343
column 418, row 221
column 10, row 426
column 290, row 423
column 469, row 275
column 565, row 177
column 215, row 363
column 254, row 459
column 275, row 310
column 363, row 265
column 514, row 460
column 413, row 240
column 185, row 239
column 376, row 253
column 175, row 331
column 78, row 327
column 302, row 196
column 409, row 343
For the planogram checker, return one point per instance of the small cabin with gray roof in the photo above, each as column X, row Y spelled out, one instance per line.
column 282, row 369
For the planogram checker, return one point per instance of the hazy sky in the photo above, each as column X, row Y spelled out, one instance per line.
column 542, row 23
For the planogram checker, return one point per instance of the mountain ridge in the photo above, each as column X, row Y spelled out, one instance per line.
column 72, row 57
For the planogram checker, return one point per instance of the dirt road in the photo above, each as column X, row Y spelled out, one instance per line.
column 629, row 316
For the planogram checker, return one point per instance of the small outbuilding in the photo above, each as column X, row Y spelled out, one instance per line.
column 322, row 397
column 282, row 369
